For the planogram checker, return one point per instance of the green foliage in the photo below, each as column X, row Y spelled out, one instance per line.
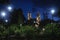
column 12, row 28
column 23, row 30
column 49, row 28
column 30, row 31
column 57, row 29
column 3, row 30
column 52, row 28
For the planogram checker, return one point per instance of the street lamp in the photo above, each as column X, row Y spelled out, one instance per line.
column 6, row 20
column 9, row 8
column 52, row 12
column 3, row 14
column 43, row 29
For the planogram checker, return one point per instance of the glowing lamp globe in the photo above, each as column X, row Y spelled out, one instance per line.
column 6, row 21
column 43, row 29
column 52, row 11
column 3, row 14
column 9, row 8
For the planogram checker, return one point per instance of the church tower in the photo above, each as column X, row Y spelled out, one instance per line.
column 29, row 16
column 29, row 21
column 38, row 19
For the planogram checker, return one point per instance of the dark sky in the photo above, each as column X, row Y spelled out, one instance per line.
column 36, row 5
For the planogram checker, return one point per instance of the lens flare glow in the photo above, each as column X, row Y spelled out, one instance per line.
column 9, row 8
column 3, row 14
column 43, row 29
column 6, row 21
column 53, row 11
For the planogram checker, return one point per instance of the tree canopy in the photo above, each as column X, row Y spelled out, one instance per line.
column 59, row 12
column 17, row 16
column 4, row 1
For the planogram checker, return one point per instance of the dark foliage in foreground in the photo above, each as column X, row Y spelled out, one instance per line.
column 4, row 1
column 14, row 32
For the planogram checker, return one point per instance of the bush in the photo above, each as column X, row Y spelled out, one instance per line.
column 52, row 29
column 30, row 31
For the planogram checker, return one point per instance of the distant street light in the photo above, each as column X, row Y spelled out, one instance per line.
column 34, row 22
column 43, row 29
column 9, row 8
column 3, row 14
column 52, row 11
column 6, row 21
column 20, row 24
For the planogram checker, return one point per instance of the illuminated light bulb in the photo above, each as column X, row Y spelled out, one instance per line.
column 52, row 11
column 3, row 14
column 9, row 8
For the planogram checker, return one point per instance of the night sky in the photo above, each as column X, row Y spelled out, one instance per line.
column 34, row 6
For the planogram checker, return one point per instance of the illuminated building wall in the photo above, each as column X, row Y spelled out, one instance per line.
column 38, row 18
column 29, row 16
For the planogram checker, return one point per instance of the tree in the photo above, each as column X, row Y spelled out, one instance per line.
column 21, row 17
column 17, row 16
column 4, row 1
column 59, row 12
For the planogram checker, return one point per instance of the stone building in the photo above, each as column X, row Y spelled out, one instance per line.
column 29, row 19
column 33, row 21
column 29, row 16
column 38, row 19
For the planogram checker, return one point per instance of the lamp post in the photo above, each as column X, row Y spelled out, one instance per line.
column 52, row 12
column 3, row 14
column 6, row 23
column 9, row 8
column 6, row 20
